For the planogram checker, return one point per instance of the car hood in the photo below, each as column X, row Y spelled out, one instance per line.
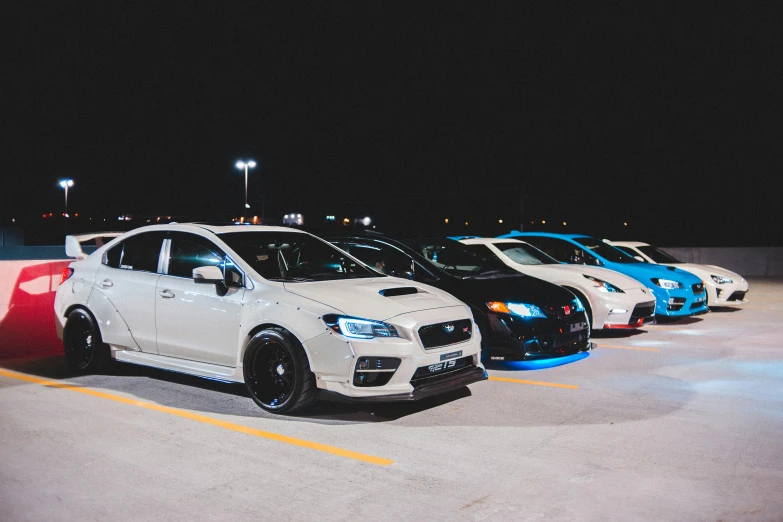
column 363, row 298
column 646, row 271
column 623, row 282
column 705, row 271
column 516, row 289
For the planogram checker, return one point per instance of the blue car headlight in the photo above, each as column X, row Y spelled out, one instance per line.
column 357, row 328
column 667, row 283
column 603, row 286
column 721, row 280
column 520, row 309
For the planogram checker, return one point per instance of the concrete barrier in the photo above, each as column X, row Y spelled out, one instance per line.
column 746, row 261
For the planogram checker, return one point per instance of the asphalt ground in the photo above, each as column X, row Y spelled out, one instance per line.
column 678, row 421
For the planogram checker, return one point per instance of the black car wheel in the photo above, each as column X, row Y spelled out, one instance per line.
column 277, row 372
column 85, row 351
column 585, row 303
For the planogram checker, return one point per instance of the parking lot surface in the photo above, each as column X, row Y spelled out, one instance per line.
column 678, row 421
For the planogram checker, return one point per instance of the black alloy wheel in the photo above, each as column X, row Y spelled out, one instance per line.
column 85, row 351
column 277, row 372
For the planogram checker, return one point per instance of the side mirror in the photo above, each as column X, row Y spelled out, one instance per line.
column 208, row 275
column 73, row 248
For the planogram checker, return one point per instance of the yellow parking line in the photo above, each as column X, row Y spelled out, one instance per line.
column 204, row 419
column 629, row 348
column 536, row 383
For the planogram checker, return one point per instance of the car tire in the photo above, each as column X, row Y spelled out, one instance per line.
column 277, row 372
column 85, row 351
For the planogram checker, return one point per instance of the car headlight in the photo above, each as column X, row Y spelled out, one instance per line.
column 603, row 286
column 520, row 309
column 666, row 283
column 357, row 328
column 721, row 280
column 578, row 306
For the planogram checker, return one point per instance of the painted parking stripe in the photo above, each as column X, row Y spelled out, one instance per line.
column 628, row 347
column 534, row 383
column 204, row 419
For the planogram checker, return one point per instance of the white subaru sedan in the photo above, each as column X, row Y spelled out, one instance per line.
column 278, row 309
column 611, row 299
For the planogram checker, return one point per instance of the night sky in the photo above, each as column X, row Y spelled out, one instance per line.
column 669, row 120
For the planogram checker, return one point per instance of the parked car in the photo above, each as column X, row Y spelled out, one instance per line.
column 724, row 287
column 277, row 309
column 678, row 293
column 520, row 317
column 611, row 299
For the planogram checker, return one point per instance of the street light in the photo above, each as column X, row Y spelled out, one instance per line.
column 66, row 184
column 246, row 165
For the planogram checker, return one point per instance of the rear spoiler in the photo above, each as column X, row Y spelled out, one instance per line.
column 73, row 244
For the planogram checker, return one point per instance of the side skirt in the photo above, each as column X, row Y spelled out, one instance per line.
column 199, row 369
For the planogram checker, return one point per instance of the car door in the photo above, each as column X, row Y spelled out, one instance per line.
column 127, row 279
column 198, row 322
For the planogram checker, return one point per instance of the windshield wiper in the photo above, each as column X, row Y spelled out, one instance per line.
column 290, row 279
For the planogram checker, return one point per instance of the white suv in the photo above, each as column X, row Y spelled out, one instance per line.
column 276, row 308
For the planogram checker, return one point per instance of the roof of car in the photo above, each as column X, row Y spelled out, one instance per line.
column 627, row 243
column 516, row 233
column 217, row 229
column 489, row 240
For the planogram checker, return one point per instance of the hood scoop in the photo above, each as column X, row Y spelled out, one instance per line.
column 402, row 290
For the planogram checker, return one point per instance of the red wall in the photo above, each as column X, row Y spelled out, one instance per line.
column 27, row 308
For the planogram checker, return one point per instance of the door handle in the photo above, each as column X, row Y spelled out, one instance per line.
column 165, row 294
column 106, row 283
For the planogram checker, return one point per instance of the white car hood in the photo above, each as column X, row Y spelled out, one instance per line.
column 568, row 272
column 362, row 298
column 705, row 271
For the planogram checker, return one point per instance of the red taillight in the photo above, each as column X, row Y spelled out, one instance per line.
column 67, row 273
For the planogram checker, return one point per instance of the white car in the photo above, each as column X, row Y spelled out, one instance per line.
column 611, row 299
column 724, row 287
column 276, row 308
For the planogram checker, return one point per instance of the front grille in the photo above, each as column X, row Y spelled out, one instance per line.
column 441, row 368
column 642, row 311
column 676, row 304
column 736, row 296
column 698, row 288
column 444, row 334
column 697, row 304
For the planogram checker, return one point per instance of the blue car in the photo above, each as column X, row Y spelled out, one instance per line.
column 677, row 293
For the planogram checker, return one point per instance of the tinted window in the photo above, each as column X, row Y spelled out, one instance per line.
column 294, row 257
column 606, row 251
column 453, row 257
column 112, row 256
column 189, row 251
column 563, row 250
column 383, row 258
column 141, row 252
column 658, row 255
column 525, row 254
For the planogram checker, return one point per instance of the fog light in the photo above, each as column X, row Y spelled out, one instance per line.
column 618, row 311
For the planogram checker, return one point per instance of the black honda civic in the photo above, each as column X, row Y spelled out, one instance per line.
column 519, row 317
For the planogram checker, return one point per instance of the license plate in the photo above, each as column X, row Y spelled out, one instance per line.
column 577, row 327
column 451, row 355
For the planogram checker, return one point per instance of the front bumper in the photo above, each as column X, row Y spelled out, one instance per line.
column 731, row 294
column 679, row 302
column 631, row 309
column 512, row 338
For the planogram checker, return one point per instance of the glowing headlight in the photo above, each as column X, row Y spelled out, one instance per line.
column 356, row 328
column 666, row 283
column 721, row 280
column 520, row 309
column 603, row 286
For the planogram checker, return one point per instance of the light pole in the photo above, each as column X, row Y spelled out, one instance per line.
column 246, row 165
column 66, row 184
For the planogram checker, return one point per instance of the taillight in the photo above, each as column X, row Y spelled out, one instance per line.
column 67, row 273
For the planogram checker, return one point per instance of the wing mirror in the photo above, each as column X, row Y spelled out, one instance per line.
column 208, row 275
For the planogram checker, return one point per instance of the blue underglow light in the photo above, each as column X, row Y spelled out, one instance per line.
column 537, row 364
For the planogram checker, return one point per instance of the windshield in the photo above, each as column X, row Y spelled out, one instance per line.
column 454, row 258
column 608, row 252
column 294, row 257
column 657, row 255
column 525, row 254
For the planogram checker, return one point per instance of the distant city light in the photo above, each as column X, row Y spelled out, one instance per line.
column 366, row 221
column 346, row 221
column 500, row 221
column 330, row 218
column 446, row 221
column 564, row 223
column 466, row 223
column 244, row 165
column 625, row 224
column 293, row 219
column 543, row 221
